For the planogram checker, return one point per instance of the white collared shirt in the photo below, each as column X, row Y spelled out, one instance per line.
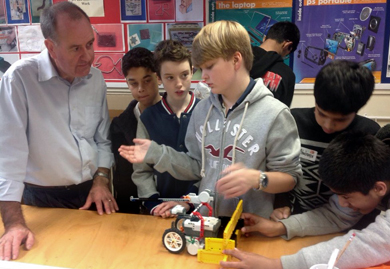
column 52, row 132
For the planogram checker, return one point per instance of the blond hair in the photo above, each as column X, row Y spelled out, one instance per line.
column 222, row 39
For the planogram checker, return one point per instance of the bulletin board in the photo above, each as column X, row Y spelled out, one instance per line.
column 118, row 25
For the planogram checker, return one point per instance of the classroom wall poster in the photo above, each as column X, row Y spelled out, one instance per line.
column 31, row 38
column 133, row 10
column 8, row 39
column 189, row 10
column 353, row 31
column 17, row 11
column 146, row 35
column 257, row 16
column 108, row 37
column 183, row 32
column 93, row 8
column 37, row 7
column 110, row 64
column 162, row 10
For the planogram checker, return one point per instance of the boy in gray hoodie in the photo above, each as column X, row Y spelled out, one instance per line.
column 356, row 166
column 242, row 142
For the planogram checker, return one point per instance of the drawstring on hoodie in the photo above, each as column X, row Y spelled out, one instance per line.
column 202, row 171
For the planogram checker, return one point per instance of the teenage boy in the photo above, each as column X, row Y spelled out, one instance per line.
column 281, row 40
column 139, row 70
column 242, row 142
column 340, row 90
column 355, row 166
column 166, row 123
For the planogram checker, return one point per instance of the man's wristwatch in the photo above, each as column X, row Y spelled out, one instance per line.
column 263, row 181
column 101, row 174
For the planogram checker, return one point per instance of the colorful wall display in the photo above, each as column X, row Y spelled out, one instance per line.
column 348, row 29
column 118, row 25
column 257, row 16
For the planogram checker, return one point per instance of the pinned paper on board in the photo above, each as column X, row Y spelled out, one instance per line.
column 93, row 8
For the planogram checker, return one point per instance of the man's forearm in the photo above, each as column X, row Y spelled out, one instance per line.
column 11, row 213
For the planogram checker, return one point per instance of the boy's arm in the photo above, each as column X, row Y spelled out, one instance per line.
column 183, row 166
column 330, row 218
column 283, row 148
column 369, row 247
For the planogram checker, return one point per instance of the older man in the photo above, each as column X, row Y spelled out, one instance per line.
column 54, row 127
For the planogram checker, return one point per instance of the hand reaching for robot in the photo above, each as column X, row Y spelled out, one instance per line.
column 237, row 179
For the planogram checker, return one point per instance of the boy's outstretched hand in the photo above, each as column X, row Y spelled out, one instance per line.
column 255, row 223
column 136, row 153
column 250, row 260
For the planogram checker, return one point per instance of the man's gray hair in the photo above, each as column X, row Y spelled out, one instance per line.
column 49, row 17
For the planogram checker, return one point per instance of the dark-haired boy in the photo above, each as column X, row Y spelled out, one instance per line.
column 166, row 123
column 281, row 40
column 355, row 166
column 340, row 90
column 139, row 69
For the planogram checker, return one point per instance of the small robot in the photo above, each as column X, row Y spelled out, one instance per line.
column 199, row 233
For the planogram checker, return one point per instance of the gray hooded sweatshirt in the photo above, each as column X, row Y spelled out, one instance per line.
column 369, row 247
column 260, row 133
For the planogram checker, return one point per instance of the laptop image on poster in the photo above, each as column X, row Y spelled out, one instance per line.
column 259, row 26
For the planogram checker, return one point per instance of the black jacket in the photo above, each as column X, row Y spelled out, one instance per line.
column 277, row 76
column 123, row 130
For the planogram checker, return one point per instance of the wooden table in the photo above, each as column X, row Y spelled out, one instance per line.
column 85, row 240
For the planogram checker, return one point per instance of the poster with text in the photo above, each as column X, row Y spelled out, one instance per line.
column 37, row 7
column 189, row 10
column 93, row 8
column 145, row 35
column 17, row 11
column 162, row 10
column 133, row 10
column 256, row 16
column 183, row 32
column 353, row 31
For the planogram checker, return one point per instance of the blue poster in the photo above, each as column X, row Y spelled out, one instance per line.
column 133, row 10
column 256, row 16
column 144, row 35
column 386, row 53
column 352, row 32
column 17, row 11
